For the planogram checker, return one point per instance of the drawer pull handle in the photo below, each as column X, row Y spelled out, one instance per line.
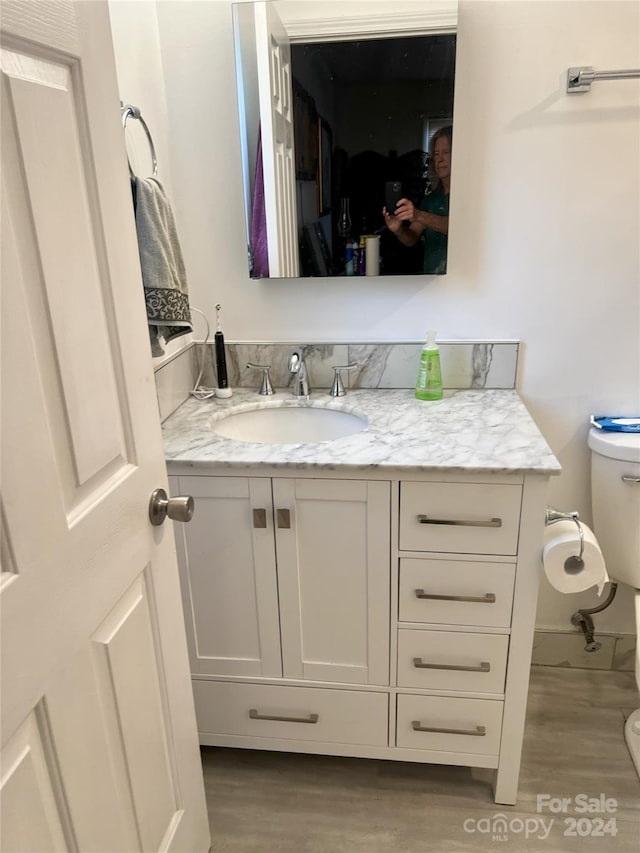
column 478, row 731
column 487, row 598
column 461, row 522
column 628, row 479
column 260, row 519
column 283, row 519
column 485, row 666
column 254, row 715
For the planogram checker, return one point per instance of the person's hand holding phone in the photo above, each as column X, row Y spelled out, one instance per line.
column 403, row 213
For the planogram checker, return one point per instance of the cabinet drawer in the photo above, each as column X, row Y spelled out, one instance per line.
column 456, row 592
column 448, row 660
column 466, row 518
column 334, row 716
column 460, row 725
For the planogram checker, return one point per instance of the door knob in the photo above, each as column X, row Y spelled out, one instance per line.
column 178, row 509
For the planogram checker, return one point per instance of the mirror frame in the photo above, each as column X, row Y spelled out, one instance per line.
column 434, row 18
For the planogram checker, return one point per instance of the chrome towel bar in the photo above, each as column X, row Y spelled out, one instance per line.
column 580, row 78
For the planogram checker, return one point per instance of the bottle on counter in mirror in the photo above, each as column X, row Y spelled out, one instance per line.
column 362, row 255
column 348, row 258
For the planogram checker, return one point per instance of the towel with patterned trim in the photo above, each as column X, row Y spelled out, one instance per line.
column 163, row 272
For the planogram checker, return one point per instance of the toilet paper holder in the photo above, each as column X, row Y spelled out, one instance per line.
column 552, row 515
column 581, row 618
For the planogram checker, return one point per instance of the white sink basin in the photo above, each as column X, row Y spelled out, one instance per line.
column 288, row 425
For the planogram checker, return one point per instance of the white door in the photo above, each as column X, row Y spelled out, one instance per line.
column 278, row 149
column 99, row 748
column 333, row 554
column 228, row 571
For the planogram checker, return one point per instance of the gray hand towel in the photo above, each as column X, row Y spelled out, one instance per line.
column 163, row 272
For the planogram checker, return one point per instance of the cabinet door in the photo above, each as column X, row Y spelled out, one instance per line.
column 228, row 576
column 334, row 579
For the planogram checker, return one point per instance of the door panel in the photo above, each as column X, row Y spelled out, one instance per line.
column 125, row 642
column 29, row 807
column 80, row 699
column 58, row 187
column 228, row 570
column 334, row 579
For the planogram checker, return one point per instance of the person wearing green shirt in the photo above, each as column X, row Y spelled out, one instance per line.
column 431, row 217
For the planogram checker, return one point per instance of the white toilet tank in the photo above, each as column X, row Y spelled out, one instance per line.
column 615, row 500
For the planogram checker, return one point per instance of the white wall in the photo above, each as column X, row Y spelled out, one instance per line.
column 136, row 45
column 544, row 219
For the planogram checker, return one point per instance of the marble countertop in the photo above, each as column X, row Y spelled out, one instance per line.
column 472, row 431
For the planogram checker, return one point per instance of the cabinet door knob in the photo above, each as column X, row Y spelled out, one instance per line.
column 178, row 509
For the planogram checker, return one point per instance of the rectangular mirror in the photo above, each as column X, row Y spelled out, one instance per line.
column 335, row 132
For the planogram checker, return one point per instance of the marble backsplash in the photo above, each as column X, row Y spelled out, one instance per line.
column 379, row 365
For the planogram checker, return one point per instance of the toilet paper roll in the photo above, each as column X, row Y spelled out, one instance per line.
column 372, row 246
column 561, row 543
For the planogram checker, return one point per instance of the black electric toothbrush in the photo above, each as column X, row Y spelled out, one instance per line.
column 223, row 389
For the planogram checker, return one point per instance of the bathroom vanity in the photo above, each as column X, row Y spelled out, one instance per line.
column 369, row 596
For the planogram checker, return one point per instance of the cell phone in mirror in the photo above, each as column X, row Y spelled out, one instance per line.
column 392, row 194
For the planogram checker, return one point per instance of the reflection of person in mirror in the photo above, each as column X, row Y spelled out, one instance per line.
column 431, row 217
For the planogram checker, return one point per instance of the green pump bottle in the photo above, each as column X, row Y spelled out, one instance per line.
column 429, row 381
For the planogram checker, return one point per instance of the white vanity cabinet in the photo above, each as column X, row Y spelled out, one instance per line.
column 372, row 596
column 386, row 618
column 468, row 571
column 287, row 579
column 458, row 544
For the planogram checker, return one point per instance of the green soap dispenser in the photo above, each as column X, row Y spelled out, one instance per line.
column 429, row 381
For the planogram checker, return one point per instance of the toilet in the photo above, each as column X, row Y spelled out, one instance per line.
column 615, row 499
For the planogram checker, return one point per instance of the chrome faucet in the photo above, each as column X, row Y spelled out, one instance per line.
column 298, row 371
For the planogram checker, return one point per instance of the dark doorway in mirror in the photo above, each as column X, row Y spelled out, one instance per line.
column 377, row 103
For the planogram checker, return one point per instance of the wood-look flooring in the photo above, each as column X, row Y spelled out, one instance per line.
column 270, row 802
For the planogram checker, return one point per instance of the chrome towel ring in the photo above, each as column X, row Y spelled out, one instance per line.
column 128, row 110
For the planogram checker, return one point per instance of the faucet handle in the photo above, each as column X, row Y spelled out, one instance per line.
column 267, row 388
column 337, row 389
column 295, row 361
